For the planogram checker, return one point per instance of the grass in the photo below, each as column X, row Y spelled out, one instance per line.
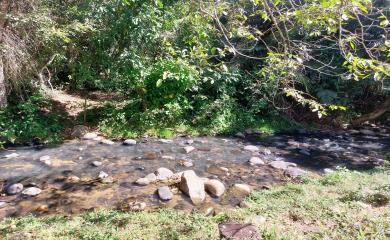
column 341, row 205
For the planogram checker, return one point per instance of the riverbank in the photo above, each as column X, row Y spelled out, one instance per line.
column 340, row 205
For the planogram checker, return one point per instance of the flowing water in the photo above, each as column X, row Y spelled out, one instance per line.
column 214, row 157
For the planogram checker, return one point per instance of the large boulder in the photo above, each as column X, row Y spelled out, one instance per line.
column 215, row 187
column 193, row 186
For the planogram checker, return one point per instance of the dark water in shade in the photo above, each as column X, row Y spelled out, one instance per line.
column 125, row 164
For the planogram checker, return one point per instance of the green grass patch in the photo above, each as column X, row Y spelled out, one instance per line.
column 341, row 205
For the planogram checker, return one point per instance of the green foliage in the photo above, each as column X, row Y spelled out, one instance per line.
column 29, row 121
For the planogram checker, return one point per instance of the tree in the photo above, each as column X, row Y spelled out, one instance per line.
column 4, row 7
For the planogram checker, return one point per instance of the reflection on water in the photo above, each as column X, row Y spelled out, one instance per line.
column 70, row 183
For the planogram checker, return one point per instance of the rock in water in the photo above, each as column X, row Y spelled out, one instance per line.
column 31, row 191
column 12, row 155
column 215, row 187
column 165, row 193
column 89, row 136
column 256, row 161
column 295, row 172
column 193, row 186
column 14, row 189
column 102, row 175
column 143, row 181
column 163, row 173
column 188, row 149
column 151, row 177
column 106, row 141
column 129, row 142
column 238, row 231
column 281, row 164
column 251, row 148
column 96, row 163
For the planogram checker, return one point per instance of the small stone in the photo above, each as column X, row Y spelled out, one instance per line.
column 137, row 206
column 266, row 151
column 188, row 149
column 224, row 169
column 188, row 164
column 295, row 172
column 130, row 142
column 281, row 164
column 73, row 179
column 328, row 170
column 189, row 141
column 238, row 231
column 102, row 175
column 31, row 191
column 240, row 135
column 162, row 140
column 80, row 158
column 163, row 173
column 3, row 204
column 44, row 158
column 251, row 148
column 242, row 188
column 106, row 141
column 142, row 181
column 96, row 163
column 193, row 186
column 168, row 157
column 151, row 177
column 108, row 179
column 14, row 189
column 89, row 136
column 256, row 161
column 215, row 187
column 165, row 193
column 12, row 155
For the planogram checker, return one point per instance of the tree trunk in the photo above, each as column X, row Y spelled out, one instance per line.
column 4, row 7
column 382, row 109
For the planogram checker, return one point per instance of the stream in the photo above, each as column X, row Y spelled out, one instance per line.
column 70, row 182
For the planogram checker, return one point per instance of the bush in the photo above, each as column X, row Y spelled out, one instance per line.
column 29, row 121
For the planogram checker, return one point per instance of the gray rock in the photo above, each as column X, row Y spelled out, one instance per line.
column 151, row 177
column 96, row 163
column 14, row 189
column 79, row 131
column 188, row 164
column 44, row 158
column 189, row 141
column 295, row 172
column 3, row 204
column 241, row 188
column 215, row 187
column 102, row 175
column 188, row 149
column 256, row 161
column 162, row 140
column 106, row 141
column 193, row 186
column 31, row 191
column 163, row 173
column 12, row 155
column 266, row 151
column 143, row 181
column 137, row 206
column 165, row 193
column 281, row 164
column 89, row 136
column 130, row 142
column 251, row 148
column 240, row 135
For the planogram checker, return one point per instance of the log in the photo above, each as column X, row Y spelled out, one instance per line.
column 377, row 113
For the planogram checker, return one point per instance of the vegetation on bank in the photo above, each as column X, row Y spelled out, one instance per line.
column 341, row 205
column 204, row 66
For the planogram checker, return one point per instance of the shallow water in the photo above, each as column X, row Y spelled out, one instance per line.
column 312, row 151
